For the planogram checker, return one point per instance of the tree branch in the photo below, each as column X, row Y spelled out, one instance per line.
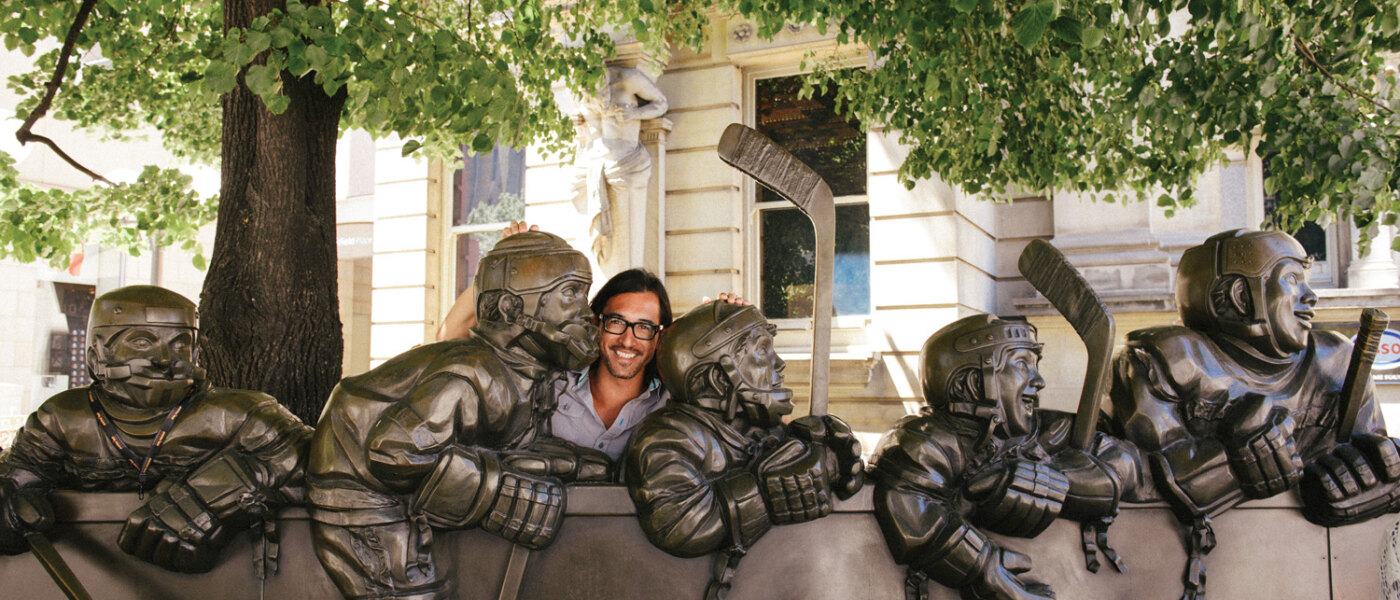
column 25, row 135
column 1307, row 53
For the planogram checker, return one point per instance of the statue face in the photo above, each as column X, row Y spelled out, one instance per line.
column 623, row 354
column 573, row 345
column 1289, row 301
column 760, row 373
column 1018, row 385
column 151, row 351
column 566, row 303
column 161, row 360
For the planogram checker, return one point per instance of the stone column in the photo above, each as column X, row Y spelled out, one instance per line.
column 1375, row 270
column 649, row 234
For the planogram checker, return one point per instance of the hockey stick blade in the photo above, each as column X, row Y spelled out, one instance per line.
column 1054, row 277
column 766, row 162
column 1363, row 355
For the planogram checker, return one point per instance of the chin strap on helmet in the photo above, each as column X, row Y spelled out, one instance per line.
column 575, row 339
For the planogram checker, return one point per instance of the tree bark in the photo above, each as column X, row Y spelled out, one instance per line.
column 271, row 320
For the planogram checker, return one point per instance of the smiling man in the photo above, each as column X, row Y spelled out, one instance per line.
column 601, row 404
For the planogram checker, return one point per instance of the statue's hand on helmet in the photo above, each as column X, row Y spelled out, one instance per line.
column 1354, row 482
column 1260, row 447
column 1017, row 497
column 846, row 469
column 22, row 510
column 793, row 481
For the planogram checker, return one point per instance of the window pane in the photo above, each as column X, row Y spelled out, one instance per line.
column 789, row 253
column 487, row 189
column 812, row 131
column 483, row 182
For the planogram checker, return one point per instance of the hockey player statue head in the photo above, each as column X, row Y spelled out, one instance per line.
column 1251, row 286
column 720, row 357
column 142, row 346
column 532, row 290
column 984, row 368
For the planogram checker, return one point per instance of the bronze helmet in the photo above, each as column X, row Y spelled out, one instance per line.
column 1241, row 254
column 130, row 306
column 696, row 360
column 515, row 276
column 976, row 343
column 528, row 264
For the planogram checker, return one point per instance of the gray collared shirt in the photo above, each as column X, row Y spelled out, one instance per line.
column 577, row 421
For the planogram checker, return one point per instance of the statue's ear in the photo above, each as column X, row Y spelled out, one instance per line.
column 1239, row 298
column 509, row 306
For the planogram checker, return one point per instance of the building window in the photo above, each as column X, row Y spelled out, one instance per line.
column 487, row 194
column 834, row 146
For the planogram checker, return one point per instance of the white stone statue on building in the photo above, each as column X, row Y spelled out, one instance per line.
column 615, row 167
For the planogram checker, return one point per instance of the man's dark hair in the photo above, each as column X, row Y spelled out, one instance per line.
column 635, row 280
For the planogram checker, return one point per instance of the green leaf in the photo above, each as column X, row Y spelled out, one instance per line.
column 410, row 146
column 482, row 143
column 282, row 36
column 277, row 104
column 1092, row 37
column 263, row 80
column 236, row 52
column 220, row 77
column 1270, row 85
column 1347, row 147
column 1068, row 29
column 1029, row 24
column 258, row 41
column 965, row 6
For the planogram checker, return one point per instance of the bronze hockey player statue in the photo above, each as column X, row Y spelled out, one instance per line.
column 451, row 435
column 981, row 457
column 209, row 461
column 1234, row 403
column 716, row 468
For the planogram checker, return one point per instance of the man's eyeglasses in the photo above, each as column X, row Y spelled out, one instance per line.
column 617, row 326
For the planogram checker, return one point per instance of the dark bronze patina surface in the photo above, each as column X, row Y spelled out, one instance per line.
column 716, row 468
column 208, row 462
column 981, row 458
column 1234, row 403
column 602, row 553
column 452, row 435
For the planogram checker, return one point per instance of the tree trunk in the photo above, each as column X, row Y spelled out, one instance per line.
column 271, row 321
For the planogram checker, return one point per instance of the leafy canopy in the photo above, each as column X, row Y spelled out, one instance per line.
column 442, row 74
column 1121, row 99
column 1125, row 99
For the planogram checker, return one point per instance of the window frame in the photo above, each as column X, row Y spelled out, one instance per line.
column 753, row 207
column 447, row 264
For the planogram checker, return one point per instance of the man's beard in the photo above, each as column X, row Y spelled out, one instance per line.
column 619, row 371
